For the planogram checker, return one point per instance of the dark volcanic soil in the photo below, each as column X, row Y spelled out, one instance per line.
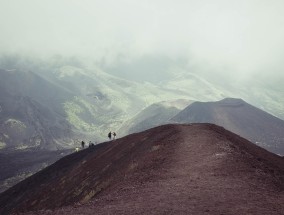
column 172, row 169
column 18, row 165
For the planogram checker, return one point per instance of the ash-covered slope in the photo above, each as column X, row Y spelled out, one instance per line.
column 171, row 169
column 154, row 115
column 33, row 124
column 239, row 117
column 31, row 115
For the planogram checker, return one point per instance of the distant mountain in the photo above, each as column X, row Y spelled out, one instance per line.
column 34, row 129
column 172, row 169
column 82, row 101
column 103, row 102
column 55, row 103
column 154, row 115
column 262, row 92
column 30, row 114
column 239, row 117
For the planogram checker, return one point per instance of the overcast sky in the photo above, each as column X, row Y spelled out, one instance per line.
column 245, row 35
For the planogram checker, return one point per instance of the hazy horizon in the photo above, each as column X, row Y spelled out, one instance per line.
column 233, row 38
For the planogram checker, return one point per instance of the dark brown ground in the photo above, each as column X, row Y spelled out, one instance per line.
column 172, row 169
column 18, row 165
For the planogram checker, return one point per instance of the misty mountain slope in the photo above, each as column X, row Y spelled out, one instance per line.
column 176, row 169
column 208, row 86
column 239, row 117
column 31, row 115
column 87, row 103
column 104, row 102
column 264, row 94
column 197, row 87
column 54, row 104
column 93, row 101
column 32, row 123
column 154, row 115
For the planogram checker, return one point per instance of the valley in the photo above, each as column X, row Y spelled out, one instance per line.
column 53, row 105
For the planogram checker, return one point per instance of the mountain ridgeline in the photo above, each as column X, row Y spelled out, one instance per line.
column 53, row 104
column 154, row 115
column 239, row 117
column 233, row 114
column 49, row 106
column 171, row 169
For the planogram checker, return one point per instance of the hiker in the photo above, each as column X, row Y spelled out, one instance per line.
column 109, row 135
column 91, row 144
column 83, row 144
column 114, row 135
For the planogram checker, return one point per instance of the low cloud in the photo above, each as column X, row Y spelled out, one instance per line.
column 242, row 37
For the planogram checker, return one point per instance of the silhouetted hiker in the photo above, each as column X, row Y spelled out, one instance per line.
column 114, row 135
column 109, row 135
column 83, row 144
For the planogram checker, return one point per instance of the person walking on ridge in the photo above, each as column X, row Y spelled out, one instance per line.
column 114, row 135
column 109, row 135
column 83, row 144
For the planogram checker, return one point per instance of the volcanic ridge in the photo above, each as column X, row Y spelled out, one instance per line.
column 239, row 117
column 171, row 169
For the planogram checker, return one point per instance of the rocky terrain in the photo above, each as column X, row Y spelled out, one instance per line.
column 171, row 169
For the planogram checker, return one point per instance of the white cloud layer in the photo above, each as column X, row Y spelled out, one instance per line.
column 244, row 35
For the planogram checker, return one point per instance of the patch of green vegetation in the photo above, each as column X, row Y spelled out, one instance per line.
column 2, row 145
column 15, row 123
column 89, row 117
column 73, row 109
column 117, row 99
